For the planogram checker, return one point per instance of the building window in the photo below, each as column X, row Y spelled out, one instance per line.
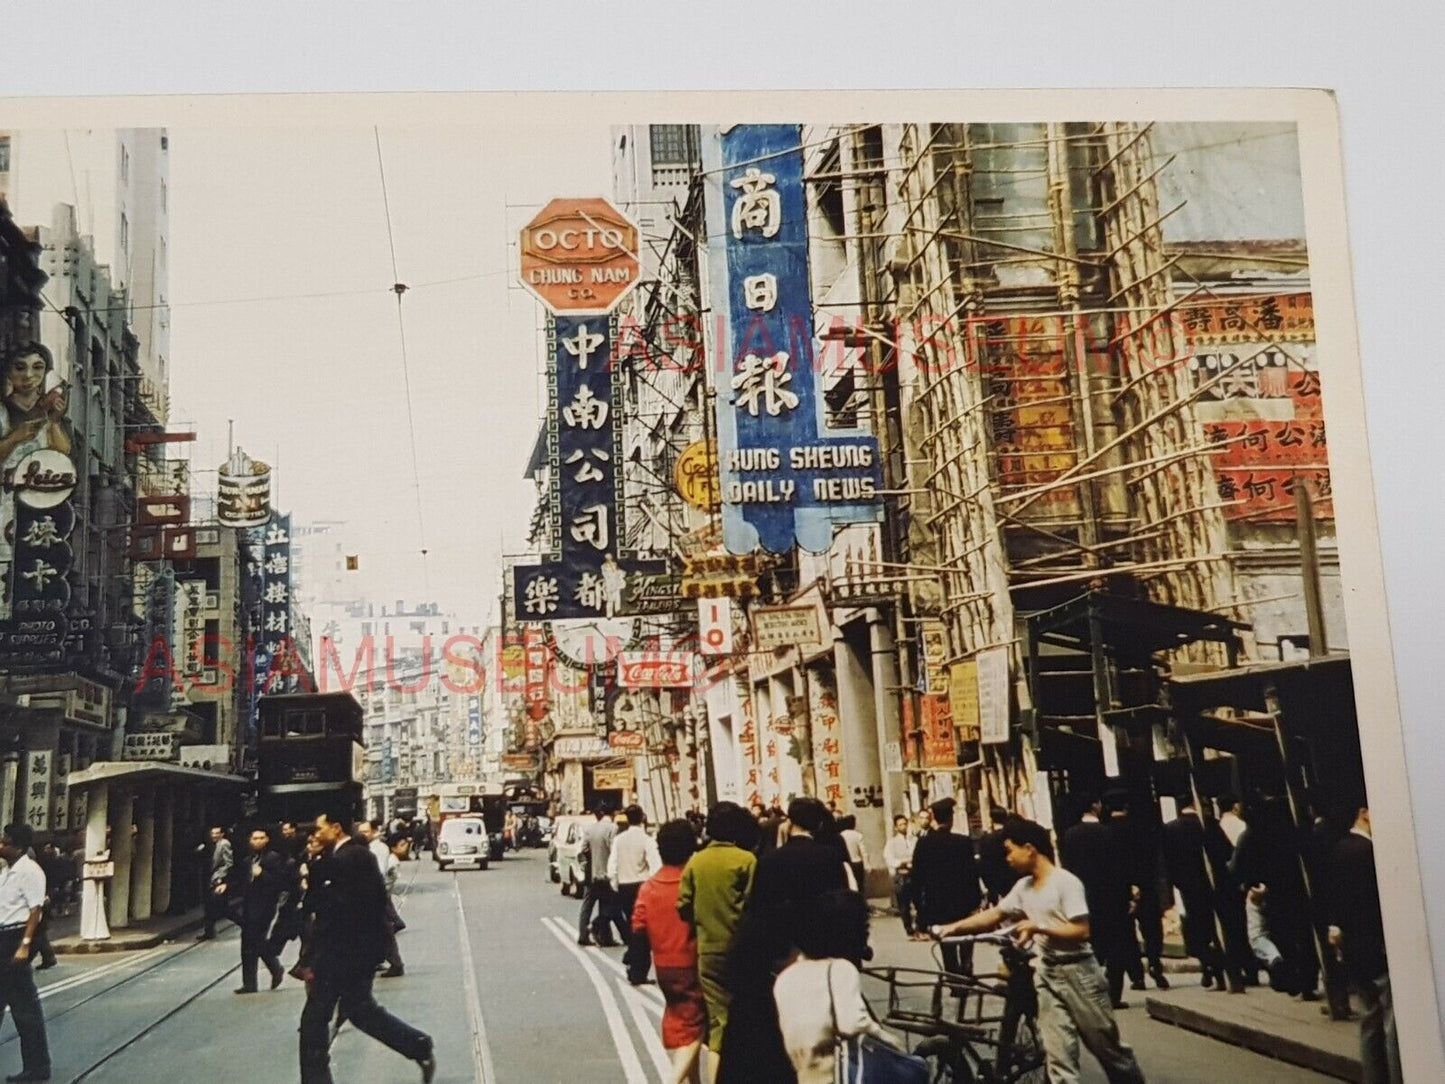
column 163, row 196
column 669, row 144
column 4, row 154
column 124, row 235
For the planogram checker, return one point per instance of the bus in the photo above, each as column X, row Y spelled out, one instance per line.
column 310, row 756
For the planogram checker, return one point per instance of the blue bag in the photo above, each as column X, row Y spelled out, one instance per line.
column 863, row 1059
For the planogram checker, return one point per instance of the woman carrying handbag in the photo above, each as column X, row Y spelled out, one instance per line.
column 830, row 1034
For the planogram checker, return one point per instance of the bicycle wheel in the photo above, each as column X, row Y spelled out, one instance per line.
column 1024, row 1063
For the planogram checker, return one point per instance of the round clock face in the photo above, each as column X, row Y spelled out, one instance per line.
column 593, row 641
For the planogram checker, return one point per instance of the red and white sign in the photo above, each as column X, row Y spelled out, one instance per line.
column 626, row 739
column 579, row 256
column 538, row 662
column 656, row 669
column 715, row 626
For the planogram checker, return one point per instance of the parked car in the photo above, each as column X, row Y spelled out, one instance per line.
column 566, row 852
column 463, row 841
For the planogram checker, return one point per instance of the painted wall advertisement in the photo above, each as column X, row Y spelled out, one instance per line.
column 1258, row 401
column 785, row 478
column 827, row 736
column 37, row 789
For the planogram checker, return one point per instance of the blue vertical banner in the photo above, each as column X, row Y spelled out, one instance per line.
column 786, row 478
column 585, row 570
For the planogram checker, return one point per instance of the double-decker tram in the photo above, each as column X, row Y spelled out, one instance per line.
column 310, row 757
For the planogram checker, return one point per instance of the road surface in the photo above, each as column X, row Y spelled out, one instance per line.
column 493, row 972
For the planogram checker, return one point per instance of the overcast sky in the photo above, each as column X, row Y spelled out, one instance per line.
column 316, row 384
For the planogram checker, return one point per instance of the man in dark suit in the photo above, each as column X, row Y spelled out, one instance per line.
column 1184, row 858
column 1090, row 851
column 260, row 880
column 945, row 876
column 350, row 940
column 998, row 876
column 1358, row 932
column 787, row 882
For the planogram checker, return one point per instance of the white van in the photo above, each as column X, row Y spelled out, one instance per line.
column 463, row 841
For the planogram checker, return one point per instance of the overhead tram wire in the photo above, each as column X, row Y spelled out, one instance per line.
column 399, row 288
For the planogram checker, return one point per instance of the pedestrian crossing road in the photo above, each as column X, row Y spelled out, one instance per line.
column 493, row 972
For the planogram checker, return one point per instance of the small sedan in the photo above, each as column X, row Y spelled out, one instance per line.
column 463, row 841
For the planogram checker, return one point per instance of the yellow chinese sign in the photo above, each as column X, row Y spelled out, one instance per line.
column 963, row 698
column 696, row 476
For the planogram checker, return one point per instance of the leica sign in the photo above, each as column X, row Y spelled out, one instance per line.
column 579, row 256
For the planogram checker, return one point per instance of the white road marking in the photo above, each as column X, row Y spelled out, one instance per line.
column 61, row 985
column 626, row 1051
column 646, row 1028
column 482, row 1066
column 652, row 993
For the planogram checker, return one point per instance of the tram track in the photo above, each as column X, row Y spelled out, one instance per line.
column 66, row 985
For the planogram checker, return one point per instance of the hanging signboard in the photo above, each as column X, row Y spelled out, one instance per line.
column 274, row 635
column 657, row 669
column 585, row 572
column 151, row 747
column 715, row 626
column 578, row 748
column 993, row 695
column 579, row 256
column 37, row 789
column 538, row 660
column 802, row 623
column 786, row 478
column 935, row 647
column 613, row 778
column 963, row 698
column 38, row 519
column 696, row 475
column 630, row 740
column 243, row 492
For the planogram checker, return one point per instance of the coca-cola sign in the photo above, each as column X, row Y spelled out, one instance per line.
column 657, row 669
column 626, row 739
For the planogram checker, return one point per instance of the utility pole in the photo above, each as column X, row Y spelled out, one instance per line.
column 1310, row 567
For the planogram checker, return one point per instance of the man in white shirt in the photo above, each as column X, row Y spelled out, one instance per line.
column 1051, row 909
column 1231, row 818
column 898, row 857
column 382, row 853
column 22, row 899
column 633, row 860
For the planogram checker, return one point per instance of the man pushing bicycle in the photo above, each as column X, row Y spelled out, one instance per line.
column 1051, row 910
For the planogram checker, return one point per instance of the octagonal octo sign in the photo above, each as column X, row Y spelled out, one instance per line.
column 579, row 256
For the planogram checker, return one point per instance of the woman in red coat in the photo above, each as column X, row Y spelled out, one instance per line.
column 674, row 952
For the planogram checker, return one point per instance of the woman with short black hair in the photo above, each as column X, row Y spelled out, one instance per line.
column 819, row 995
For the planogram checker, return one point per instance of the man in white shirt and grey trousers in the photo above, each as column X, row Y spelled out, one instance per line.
column 22, row 898
column 633, row 860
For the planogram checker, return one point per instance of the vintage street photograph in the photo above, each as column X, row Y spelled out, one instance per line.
column 660, row 589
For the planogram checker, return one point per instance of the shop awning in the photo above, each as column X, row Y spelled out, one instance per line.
column 151, row 771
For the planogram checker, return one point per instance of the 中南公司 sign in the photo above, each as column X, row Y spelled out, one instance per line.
column 585, row 572
column 785, row 477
